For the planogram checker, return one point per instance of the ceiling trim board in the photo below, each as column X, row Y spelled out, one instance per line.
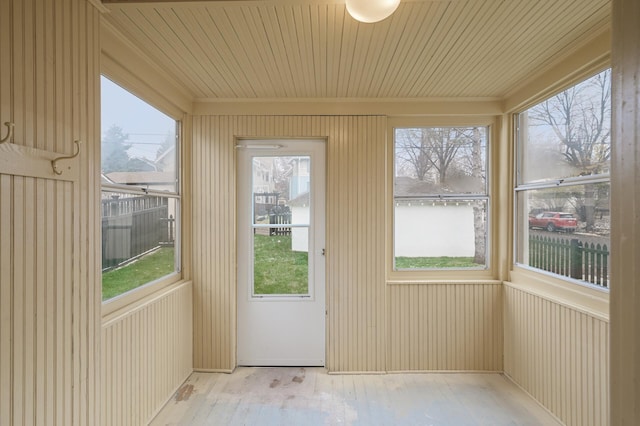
column 574, row 67
column 124, row 62
column 448, row 107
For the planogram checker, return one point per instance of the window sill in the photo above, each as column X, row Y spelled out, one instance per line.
column 439, row 276
column 584, row 298
column 137, row 296
column 480, row 281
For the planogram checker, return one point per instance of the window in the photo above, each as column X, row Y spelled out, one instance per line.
column 562, row 187
column 440, row 198
column 140, row 192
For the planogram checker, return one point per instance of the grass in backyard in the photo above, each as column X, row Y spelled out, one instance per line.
column 278, row 269
column 146, row 269
column 435, row 262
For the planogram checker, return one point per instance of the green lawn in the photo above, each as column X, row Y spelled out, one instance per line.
column 278, row 269
column 144, row 270
column 435, row 262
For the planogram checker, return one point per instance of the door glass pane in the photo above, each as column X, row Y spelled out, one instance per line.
column 281, row 190
column 281, row 197
column 281, row 261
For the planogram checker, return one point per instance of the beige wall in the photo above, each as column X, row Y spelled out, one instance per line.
column 625, row 215
column 556, row 334
column 371, row 325
column 146, row 356
column 51, row 336
column 445, row 326
column 50, row 325
column 559, row 355
column 49, row 229
column 147, row 335
column 355, row 234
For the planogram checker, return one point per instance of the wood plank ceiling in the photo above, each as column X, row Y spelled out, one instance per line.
column 313, row 49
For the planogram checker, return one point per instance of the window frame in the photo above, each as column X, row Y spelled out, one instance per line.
column 453, row 275
column 549, row 281
column 150, row 288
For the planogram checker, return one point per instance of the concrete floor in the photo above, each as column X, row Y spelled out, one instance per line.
column 310, row 396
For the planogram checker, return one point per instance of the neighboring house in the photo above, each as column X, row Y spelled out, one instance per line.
column 265, row 196
column 167, row 160
column 300, row 177
column 434, row 229
column 300, row 215
column 428, row 227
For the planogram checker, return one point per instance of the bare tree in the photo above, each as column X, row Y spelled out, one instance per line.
column 413, row 152
column 478, row 208
column 580, row 118
column 445, row 144
column 453, row 159
column 424, row 149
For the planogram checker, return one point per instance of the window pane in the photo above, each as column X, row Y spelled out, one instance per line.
column 436, row 225
column 138, row 141
column 566, row 230
column 281, row 262
column 281, row 189
column 138, row 238
column 440, row 234
column 440, row 160
column 568, row 135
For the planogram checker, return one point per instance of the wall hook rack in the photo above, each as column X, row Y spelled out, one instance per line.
column 54, row 163
column 9, row 132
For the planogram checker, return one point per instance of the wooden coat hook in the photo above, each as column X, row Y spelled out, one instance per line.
column 54, row 163
column 9, row 132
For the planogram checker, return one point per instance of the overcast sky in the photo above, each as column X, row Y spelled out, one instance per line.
column 146, row 126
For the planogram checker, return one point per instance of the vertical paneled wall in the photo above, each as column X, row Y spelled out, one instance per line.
column 625, row 214
column 36, row 329
column 559, row 355
column 213, row 262
column 452, row 326
column 355, row 234
column 49, row 233
column 146, row 356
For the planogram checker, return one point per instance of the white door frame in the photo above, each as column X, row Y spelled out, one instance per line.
column 282, row 330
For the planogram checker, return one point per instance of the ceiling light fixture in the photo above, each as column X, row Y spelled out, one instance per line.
column 370, row 11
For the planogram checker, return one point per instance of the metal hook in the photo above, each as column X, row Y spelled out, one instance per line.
column 54, row 162
column 9, row 133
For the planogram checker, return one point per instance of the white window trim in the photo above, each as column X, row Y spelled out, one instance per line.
column 548, row 283
column 439, row 276
column 139, row 294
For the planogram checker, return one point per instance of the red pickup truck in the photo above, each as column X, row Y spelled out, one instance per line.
column 554, row 221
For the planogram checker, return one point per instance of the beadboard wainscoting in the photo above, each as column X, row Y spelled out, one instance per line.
column 559, row 355
column 445, row 326
column 146, row 355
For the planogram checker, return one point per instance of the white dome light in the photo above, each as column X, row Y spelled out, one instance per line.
column 370, row 11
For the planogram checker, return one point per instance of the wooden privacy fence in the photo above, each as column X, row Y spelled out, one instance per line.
column 570, row 257
column 133, row 226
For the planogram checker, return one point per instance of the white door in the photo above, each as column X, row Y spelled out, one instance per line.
column 281, row 276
